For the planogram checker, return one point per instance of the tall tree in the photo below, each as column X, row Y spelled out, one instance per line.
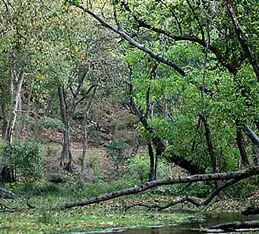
column 163, row 30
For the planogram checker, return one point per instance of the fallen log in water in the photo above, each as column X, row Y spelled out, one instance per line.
column 233, row 227
column 252, row 210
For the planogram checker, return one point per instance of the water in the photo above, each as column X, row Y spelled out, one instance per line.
column 194, row 226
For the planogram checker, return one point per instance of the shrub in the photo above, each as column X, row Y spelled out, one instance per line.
column 117, row 153
column 48, row 122
column 24, row 158
column 138, row 168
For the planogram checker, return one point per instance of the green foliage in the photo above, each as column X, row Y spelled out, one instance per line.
column 72, row 2
column 46, row 217
column 234, row 96
column 243, row 189
column 116, row 148
column 138, row 169
column 117, row 153
column 48, row 122
column 24, row 158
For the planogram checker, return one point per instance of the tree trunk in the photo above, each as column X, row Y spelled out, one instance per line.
column 85, row 143
column 241, row 144
column 5, row 121
column 160, row 146
column 86, row 130
column 66, row 153
column 14, row 107
column 20, row 128
column 252, row 135
column 17, row 78
column 152, row 171
column 213, row 157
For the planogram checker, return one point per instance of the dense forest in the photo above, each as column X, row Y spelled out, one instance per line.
column 105, row 99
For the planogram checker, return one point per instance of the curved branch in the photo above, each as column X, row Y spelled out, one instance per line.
column 134, row 42
column 220, row 57
column 191, row 200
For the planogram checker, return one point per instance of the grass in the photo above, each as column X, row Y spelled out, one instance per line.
column 110, row 214
column 101, row 216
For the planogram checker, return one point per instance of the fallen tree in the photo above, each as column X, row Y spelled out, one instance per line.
column 233, row 176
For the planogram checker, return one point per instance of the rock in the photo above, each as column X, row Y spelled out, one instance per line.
column 56, row 178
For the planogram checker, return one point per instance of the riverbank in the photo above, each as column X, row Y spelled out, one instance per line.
column 113, row 214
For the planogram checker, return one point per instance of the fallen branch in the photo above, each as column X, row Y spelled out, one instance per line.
column 149, row 207
column 229, row 227
column 191, row 200
column 238, row 175
column 252, row 210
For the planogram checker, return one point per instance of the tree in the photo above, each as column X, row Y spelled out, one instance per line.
column 201, row 27
column 20, row 26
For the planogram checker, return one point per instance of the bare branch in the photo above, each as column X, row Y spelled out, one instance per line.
column 135, row 43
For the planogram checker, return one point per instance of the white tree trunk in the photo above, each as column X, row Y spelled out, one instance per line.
column 17, row 79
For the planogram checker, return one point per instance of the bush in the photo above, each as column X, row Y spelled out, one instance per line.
column 117, row 153
column 138, row 168
column 48, row 122
column 24, row 158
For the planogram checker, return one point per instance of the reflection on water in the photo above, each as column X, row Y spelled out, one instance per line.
column 193, row 227
column 162, row 230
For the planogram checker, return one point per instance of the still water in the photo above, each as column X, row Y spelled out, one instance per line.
column 192, row 227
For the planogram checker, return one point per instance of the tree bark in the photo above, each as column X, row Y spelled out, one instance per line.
column 252, row 135
column 213, row 157
column 66, row 153
column 5, row 120
column 152, row 169
column 16, row 86
column 238, row 175
column 85, row 141
column 86, row 129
